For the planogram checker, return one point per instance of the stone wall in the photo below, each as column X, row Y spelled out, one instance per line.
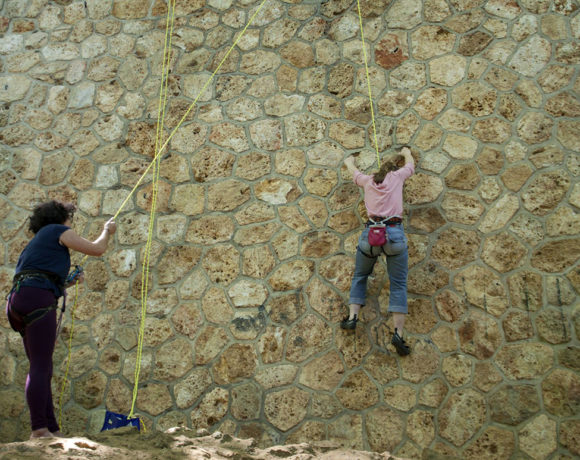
column 258, row 221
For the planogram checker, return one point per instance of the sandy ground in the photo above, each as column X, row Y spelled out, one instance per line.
column 128, row 443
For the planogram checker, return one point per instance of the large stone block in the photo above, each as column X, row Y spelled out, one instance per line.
column 286, row 408
column 384, row 429
column 463, row 208
column 173, row 360
column 291, row 275
column 532, row 56
column 325, row 300
column 538, row 438
column 236, row 363
column 211, row 163
column 503, row 252
column 13, row 87
column 247, row 293
column 525, row 360
column 400, row 397
column 556, row 256
column 90, row 389
column 569, row 438
column 462, row 416
column 271, row 348
column 210, row 343
column 553, row 326
column 324, row 373
column 309, row 336
column 267, row 135
column 421, row 364
column 493, row 442
column 447, row 70
column 212, row 408
column 513, row 404
column 176, row 262
column 13, row 402
column 479, row 336
column 456, row 247
column 221, row 263
column 427, row 279
column 561, row 393
column 457, row 369
column 154, row 398
column 278, row 376
column 421, row 427
column 246, row 402
column 298, row 53
column 286, row 308
column 431, row 41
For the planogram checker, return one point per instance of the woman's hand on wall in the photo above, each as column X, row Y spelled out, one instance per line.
column 349, row 163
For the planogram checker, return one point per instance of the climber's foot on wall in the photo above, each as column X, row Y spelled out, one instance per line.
column 347, row 323
column 398, row 342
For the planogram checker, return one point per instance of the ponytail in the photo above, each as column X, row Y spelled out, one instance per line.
column 391, row 164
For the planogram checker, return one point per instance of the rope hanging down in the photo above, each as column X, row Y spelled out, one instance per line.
column 155, row 164
column 362, row 34
column 161, row 113
column 70, row 337
column 163, row 147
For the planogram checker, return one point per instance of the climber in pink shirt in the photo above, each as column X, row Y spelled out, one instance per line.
column 383, row 197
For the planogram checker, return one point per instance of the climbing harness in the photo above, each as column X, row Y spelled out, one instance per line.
column 378, row 233
column 19, row 321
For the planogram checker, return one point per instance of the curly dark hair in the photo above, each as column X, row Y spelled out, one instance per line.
column 51, row 212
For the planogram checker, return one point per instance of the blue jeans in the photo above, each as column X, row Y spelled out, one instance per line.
column 397, row 268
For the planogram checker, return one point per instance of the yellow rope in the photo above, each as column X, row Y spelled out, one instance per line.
column 190, row 107
column 155, row 163
column 368, row 83
column 161, row 112
column 70, row 337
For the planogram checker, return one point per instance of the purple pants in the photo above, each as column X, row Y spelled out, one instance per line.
column 39, row 340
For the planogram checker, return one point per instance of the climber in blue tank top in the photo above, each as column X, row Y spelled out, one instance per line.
column 40, row 279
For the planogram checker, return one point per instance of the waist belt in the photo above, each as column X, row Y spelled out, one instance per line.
column 31, row 274
column 384, row 221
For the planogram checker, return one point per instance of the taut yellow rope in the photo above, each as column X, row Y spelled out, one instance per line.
column 161, row 112
column 158, row 154
column 70, row 337
column 362, row 34
column 155, row 163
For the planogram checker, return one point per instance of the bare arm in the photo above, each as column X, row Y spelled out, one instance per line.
column 349, row 163
column 406, row 152
column 91, row 248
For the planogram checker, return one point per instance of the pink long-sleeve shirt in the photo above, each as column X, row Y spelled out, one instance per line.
column 384, row 199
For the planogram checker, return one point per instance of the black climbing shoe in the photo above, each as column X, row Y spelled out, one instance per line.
column 399, row 344
column 349, row 323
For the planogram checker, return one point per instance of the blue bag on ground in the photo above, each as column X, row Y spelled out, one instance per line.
column 113, row 420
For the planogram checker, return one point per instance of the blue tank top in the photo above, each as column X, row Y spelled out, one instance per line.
column 44, row 252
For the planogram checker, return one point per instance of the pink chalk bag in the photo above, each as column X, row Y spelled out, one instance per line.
column 377, row 233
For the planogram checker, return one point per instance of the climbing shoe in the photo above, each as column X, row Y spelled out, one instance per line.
column 398, row 342
column 349, row 323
